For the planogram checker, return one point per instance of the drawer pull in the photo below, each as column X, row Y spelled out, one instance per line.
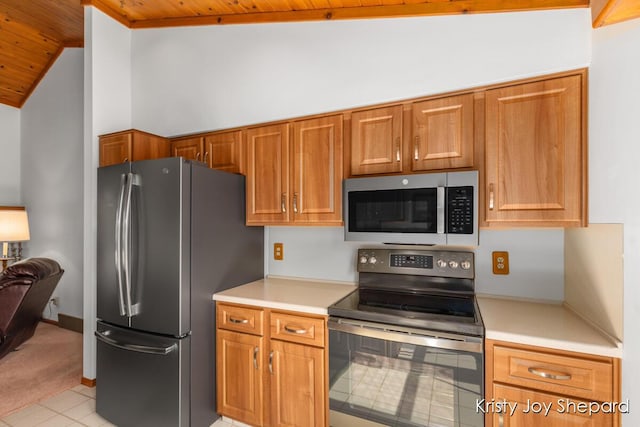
column 550, row 375
column 294, row 330
column 238, row 321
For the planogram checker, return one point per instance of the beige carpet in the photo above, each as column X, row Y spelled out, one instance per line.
column 47, row 364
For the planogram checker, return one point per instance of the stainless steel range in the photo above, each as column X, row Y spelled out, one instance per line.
column 406, row 348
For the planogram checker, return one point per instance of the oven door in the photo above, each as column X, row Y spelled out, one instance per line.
column 393, row 376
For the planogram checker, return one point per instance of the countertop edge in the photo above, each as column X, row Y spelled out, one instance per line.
column 270, row 304
column 592, row 349
column 600, row 343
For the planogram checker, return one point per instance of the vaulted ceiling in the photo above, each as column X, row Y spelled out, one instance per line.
column 34, row 32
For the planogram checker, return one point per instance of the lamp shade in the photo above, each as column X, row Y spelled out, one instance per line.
column 14, row 224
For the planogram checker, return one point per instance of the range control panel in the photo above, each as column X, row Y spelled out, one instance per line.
column 441, row 263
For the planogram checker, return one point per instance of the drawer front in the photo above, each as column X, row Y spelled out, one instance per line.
column 565, row 375
column 525, row 408
column 296, row 328
column 240, row 319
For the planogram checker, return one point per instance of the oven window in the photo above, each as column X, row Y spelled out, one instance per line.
column 393, row 211
column 397, row 384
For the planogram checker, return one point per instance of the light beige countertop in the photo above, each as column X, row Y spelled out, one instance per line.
column 543, row 324
column 303, row 295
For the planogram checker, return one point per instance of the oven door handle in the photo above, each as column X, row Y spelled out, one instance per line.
column 468, row 344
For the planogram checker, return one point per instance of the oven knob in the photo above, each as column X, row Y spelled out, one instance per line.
column 465, row 265
column 453, row 264
column 442, row 263
column 363, row 260
column 372, row 260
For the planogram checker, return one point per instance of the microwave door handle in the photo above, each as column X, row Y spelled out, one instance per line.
column 440, row 202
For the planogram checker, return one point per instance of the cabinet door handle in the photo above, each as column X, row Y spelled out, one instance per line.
column 238, row 321
column 295, row 202
column 255, row 357
column 416, row 154
column 198, row 156
column 562, row 376
column 491, row 197
column 126, row 159
column 271, row 362
column 295, row 330
column 397, row 149
column 206, row 155
column 283, row 202
column 501, row 420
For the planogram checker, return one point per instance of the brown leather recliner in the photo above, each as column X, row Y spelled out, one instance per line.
column 25, row 290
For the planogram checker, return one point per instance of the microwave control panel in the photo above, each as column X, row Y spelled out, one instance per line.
column 459, row 210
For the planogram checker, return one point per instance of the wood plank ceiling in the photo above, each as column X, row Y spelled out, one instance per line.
column 34, row 32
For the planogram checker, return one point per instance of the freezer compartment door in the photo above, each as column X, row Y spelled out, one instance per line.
column 142, row 379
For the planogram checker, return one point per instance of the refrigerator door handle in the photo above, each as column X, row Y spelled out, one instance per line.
column 118, row 244
column 106, row 338
column 131, row 309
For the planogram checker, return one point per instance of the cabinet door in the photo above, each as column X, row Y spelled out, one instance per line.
column 189, row 148
column 223, row 151
column 529, row 410
column 148, row 146
column 298, row 396
column 443, row 133
column 239, row 379
column 376, row 141
column 268, row 175
column 535, row 154
column 317, row 171
column 115, row 149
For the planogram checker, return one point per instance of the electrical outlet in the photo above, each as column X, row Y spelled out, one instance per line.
column 278, row 251
column 500, row 262
column 55, row 301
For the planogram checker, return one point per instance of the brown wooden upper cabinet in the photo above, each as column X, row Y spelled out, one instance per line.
column 191, row 148
column 294, row 173
column 219, row 150
column 438, row 135
column 223, row 151
column 376, row 141
column 443, row 133
column 131, row 145
column 535, row 153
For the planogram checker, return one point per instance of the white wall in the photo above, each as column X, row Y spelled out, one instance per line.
column 107, row 108
column 199, row 78
column 614, row 176
column 52, row 175
column 322, row 253
column 10, row 156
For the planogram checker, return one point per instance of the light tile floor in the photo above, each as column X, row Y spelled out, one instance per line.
column 74, row 407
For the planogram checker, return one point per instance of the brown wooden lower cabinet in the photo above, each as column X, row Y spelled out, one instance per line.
column 274, row 376
column 297, row 384
column 239, row 377
column 534, row 409
column 529, row 386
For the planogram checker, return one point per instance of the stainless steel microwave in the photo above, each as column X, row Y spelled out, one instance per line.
column 429, row 209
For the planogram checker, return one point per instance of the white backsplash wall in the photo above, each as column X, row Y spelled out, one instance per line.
column 536, row 259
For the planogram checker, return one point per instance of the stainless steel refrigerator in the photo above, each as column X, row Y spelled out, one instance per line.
column 170, row 234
